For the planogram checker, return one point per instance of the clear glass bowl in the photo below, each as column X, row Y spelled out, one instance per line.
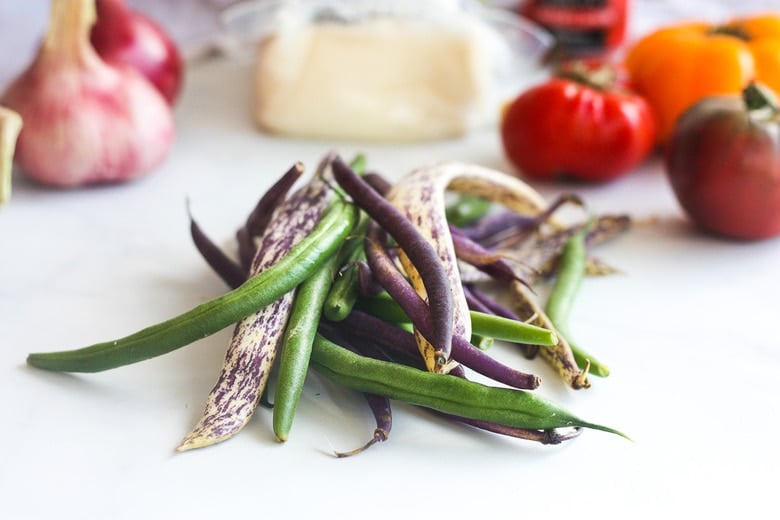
column 514, row 48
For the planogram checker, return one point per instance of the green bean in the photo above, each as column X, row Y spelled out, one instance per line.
column 345, row 289
column 512, row 331
column 358, row 163
column 444, row 393
column 466, row 210
column 571, row 272
column 483, row 324
column 482, row 342
column 297, row 344
column 384, row 307
column 216, row 314
column 597, row 368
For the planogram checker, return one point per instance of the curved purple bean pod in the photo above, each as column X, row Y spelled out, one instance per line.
column 420, row 253
column 489, row 262
column 247, row 247
column 475, row 303
column 494, row 225
column 383, row 415
column 540, row 436
column 393, row 338
column 367, row 286
column 484, row 303
column 259, row 218
column 402, row 351
column 507, row 228
column 227, row 269
column 380, row 184
column 541, row 252
column 421, row 198
column 379, row 405
column 261, row 215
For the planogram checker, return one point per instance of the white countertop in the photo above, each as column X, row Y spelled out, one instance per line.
column 687, row 329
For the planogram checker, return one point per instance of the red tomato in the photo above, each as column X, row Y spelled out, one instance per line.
column 577, row 128
column 723, row 161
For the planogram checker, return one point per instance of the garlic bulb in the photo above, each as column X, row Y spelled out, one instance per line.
column 85, row 122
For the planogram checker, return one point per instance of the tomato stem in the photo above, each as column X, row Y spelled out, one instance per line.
column 600, row 78
column 758, row 98
column 735, row 31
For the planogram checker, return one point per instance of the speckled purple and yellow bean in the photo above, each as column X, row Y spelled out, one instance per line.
column 420, row 196
column 256, row 339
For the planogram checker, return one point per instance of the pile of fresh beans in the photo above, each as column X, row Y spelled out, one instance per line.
column 380, row 287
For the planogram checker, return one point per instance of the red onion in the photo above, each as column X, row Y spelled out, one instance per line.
column 85, row 122
column 122, row 36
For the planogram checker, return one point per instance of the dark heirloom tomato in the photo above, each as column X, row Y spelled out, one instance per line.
column 723, row 161
column 581, row 124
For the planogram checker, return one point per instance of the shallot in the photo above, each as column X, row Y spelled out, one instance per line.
column 126, row 37
column 85, row 122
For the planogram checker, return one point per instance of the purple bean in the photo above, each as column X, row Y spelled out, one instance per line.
column 387, row 344
column 493, row 229
column 542, row 253
column 419, row 251
column 480, row 257
column 366, row 283
column 541, row 436
column 259, row 217
column 496, row 224
column 490, row 306
column 383, row 416
column 379, row 405
column 230, row 272
column 390, row 278
column 474, row 303
column 390, row 337
column 246, row 248
column 380, row 184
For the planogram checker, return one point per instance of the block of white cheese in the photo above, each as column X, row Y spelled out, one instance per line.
column 382, row 79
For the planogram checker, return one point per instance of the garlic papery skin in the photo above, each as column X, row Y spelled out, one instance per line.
column 85, row 122
column 10, row 126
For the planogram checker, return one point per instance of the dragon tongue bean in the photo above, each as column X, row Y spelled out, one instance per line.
column 256, row 338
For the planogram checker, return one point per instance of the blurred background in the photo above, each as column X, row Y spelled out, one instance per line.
column 194, row 24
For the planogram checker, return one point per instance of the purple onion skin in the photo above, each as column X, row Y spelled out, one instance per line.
column 125, row 37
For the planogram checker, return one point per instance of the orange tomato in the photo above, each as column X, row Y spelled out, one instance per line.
column 678, row 65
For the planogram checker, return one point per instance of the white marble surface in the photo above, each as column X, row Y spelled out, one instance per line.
column 688, row 330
